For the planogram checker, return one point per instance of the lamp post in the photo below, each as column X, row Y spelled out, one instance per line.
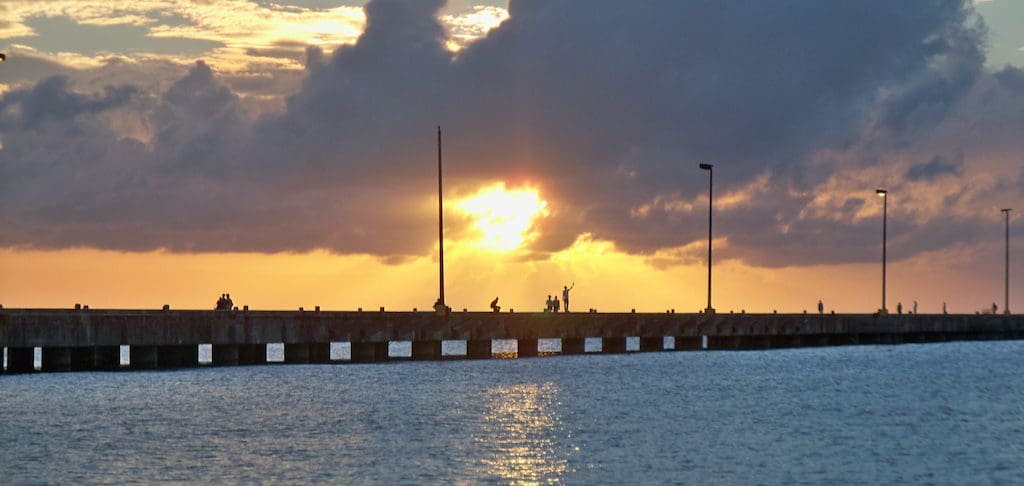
column 1006, row 301
column 711, row 177
column 440, row 223
column 885, row 208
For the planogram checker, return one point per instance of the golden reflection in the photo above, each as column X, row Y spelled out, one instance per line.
column 523, row 435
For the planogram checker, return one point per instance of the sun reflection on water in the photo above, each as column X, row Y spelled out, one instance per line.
column 524, row 441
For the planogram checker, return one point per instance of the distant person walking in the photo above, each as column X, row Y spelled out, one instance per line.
column 494, row 305
column 915, row 307
column 899, row 307
column 821, row 307
column 565, row 295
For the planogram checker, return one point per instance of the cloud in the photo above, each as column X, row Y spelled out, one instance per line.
column 803, row 108
column 935, row 168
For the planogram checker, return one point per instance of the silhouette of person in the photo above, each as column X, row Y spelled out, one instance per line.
column 915, row 307
column 565, row 295
column 554, row 304
column 944, row 308
column 995, row 308
column 821, row 307
column 549, row 304
column 899, row 307
column 228, row 303
column 220, row 303
column 494, row 305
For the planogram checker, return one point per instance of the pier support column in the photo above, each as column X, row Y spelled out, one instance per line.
column 574, row 345
column 106, row 358
column 224, row 354
column 688, row 343
column 613, row 345
column 369, row 352
column 252, row 354
column 20, row 360
column 478, row 349
column 142, row 357
column 652, row 344
column 177, row 356
column 56, row 359
column 296, row 353
column 319, row 353
column 426, row 350
column 527, row 348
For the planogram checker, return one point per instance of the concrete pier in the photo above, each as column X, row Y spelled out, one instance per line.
column 479, row 349
column 106, row 358
column 688, row 343
column 426, row 350
column 315, row 353
column 370, row 352
column 84, row 339
column 527, row 348
column 224, row 354
column 648, row 344
column 574, row 345
column 20, row 360
column 142, row 358
column 613, row 345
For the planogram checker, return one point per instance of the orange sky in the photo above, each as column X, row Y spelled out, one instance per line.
column 605, row 279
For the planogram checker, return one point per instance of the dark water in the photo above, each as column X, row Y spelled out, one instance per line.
column 936, row 413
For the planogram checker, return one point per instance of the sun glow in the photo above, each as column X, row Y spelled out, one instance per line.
column 504, row 217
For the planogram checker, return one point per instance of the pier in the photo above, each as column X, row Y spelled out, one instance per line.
column 91, row 339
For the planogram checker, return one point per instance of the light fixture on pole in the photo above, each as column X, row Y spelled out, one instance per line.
column 885, row 208
column 1006, row 302
column 711, row 177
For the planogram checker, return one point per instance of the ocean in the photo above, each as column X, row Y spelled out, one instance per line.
column 947, row 413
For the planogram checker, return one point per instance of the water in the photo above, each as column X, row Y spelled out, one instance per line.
column 935, row 413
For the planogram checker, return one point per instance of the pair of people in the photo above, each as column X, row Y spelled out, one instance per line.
column 553, row 304
column 224, row 302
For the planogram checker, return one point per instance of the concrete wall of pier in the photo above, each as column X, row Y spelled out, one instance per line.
column 89, row 339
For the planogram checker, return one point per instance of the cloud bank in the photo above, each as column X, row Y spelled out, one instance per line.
column 804, row 108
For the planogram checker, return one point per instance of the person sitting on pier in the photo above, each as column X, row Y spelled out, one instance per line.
column 441, row 309
column 494, row 305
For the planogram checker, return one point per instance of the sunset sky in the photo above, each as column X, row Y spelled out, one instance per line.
column 164, row 152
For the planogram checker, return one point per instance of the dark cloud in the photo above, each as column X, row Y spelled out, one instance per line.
column 604, row 106
column 936, row 167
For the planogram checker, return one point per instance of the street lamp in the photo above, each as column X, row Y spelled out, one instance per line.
column 1006, row 302
column 884, row 194
column 711, row 177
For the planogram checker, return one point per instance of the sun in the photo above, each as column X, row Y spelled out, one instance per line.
column 504, row 217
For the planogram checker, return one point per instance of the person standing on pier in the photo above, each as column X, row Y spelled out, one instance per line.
column 899, row 307
column 554, row 304
column 821, row 307
column 915, row 307
column 565, row 295
column 549, row 304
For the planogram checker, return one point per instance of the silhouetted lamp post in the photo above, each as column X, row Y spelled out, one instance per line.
column 440, row 220
column 1006, row 301
column 711, row 177
column 885, row 208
